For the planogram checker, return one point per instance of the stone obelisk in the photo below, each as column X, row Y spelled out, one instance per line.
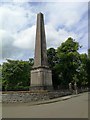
column 41, row 75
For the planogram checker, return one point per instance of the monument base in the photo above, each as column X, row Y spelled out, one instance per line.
column 41, row 79
column 37, row 88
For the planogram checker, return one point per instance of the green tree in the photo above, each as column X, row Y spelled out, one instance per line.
column 31, row 61
column 89, row 52
column 52, row 57
column 88, row 68
column 16, row 74
column 69, row 61
column 82, row 71
column 52, row 60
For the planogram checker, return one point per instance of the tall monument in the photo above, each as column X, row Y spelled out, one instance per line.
column 41, row 75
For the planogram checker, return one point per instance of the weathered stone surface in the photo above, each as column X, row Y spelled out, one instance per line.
column 25, row 97
column 41, row 75
column 40, row 46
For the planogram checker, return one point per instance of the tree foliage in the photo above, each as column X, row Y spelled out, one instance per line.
column 68, row 61
column 16, row 74
column 52, row 61
column 67, row 64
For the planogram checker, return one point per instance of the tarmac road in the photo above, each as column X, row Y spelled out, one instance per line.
column 76, row 107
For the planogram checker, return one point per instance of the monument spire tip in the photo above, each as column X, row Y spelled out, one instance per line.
column 40, row 13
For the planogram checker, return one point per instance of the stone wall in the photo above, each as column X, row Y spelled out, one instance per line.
column 24, row 97
column 40, row 95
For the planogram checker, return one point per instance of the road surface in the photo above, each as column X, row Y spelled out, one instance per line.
column 76, row 107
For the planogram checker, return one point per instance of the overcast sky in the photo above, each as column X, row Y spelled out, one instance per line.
column 62, row 20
